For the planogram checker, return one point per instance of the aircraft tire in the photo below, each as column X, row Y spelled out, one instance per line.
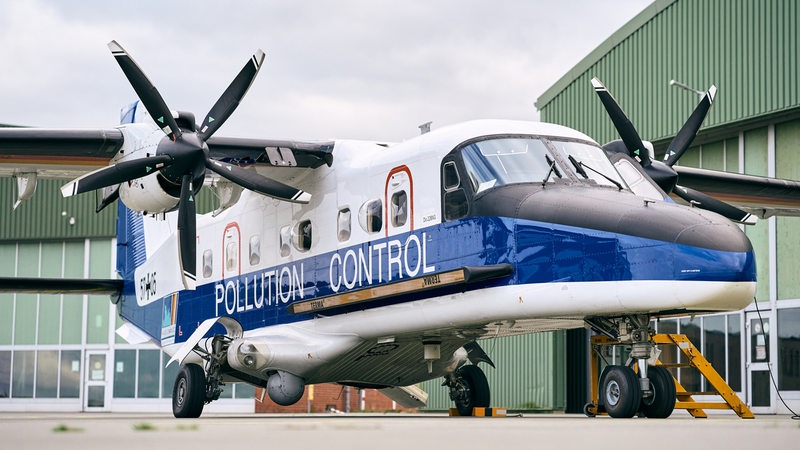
column 662, row 403
column 620, row 392
column 477, row 393
column 188, row 393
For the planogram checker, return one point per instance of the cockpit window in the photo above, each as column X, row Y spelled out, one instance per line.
column 497, row 162
column 590, row 162
column 637, row 182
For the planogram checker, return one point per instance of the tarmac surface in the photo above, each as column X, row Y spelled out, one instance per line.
column 109, row 431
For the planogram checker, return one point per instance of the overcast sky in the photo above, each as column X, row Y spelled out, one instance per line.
column 334, row 69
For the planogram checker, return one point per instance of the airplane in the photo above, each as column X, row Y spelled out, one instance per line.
column 382, row 265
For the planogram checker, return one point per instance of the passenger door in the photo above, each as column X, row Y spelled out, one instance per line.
column 399, row 201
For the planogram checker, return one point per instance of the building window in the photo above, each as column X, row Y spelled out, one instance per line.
column 70, row 383
column 302, row 236
column 399, row 208
column 255, row 249
column 370, row 216
column 690, row 378
column 46, row 367
column 5, row 374
column 343, row 225
column 789, row 349
column 125, row 373
column 734, row 352
column 147, row 371
column 22, row 384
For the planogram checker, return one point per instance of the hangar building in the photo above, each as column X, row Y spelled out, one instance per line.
column 61, row 352
column 750, row 50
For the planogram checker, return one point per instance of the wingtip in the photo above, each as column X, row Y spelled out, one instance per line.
column 597, row 84
column 259, row 55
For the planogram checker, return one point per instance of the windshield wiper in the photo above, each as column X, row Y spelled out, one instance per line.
column 553, row 169
column 579, row 165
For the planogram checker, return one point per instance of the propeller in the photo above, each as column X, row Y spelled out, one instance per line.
column 662, row 173
column 182, row 157
column 681, row 142
column 708, row 202
column 625, row 128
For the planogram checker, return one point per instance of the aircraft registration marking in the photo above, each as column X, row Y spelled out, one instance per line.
column 379, row 292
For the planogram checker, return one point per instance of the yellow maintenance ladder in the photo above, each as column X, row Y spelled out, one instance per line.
column 685, row 399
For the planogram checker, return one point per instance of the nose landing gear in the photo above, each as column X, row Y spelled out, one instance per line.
column 623, row 391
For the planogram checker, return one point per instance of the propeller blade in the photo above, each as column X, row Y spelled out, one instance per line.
column 624, row 126
column 230, row 99
column 255, row 182
column 709, row 203
column 146, row 91
column 115, row 174
column 187, row 233
column 686, row 135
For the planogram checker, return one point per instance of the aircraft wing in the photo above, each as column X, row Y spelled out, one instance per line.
column 56, row 153
column 278, row 153
column 760, row 196
column 70, row 153
column 60, row 286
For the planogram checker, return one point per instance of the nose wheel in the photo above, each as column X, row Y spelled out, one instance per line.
column 624, row 392
column 620, row 392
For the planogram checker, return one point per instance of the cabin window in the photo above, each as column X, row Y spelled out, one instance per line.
column 399, row 208
column 255, row 249
column 208, row 266
column 231, row 256
column 370, row 216
column 302, row 236
column 455, row 204
column 285, row 238
column 450, row 178
column 343, row 225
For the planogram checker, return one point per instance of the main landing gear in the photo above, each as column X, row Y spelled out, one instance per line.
column 468, row 389
column 623, row 391
column 194, row 387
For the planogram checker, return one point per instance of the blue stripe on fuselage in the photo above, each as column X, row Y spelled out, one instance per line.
column 540, row 253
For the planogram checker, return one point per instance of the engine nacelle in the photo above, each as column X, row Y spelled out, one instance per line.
column 151, row 194
column 147, row 195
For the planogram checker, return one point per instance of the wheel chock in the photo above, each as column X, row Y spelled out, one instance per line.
column 482, row 412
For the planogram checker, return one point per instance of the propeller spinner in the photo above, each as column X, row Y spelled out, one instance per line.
column 182, row 157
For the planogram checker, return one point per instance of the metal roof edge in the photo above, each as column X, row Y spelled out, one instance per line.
column 604, row 48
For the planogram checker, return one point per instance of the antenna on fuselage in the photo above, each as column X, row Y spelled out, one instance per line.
column 425, row 128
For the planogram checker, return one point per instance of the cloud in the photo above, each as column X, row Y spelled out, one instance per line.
column 354, row 69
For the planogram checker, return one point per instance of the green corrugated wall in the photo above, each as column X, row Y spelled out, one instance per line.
column 748, row 49
column 530, row 374
column 47, row 215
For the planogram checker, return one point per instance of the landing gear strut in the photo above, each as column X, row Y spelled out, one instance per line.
column 196, row 386
column 624, row 392
column 468, row 389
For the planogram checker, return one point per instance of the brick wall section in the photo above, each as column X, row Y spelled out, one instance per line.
column 327, row 396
